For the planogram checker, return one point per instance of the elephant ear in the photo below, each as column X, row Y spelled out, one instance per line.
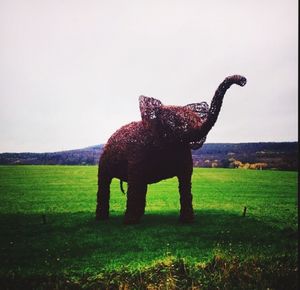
column 149, row 108
column 200, row 108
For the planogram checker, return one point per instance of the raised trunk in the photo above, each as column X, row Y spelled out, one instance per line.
column 216, row 104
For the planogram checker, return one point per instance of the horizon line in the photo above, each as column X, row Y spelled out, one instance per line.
column 102, row 144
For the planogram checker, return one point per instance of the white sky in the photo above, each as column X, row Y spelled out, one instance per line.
column 71, row 71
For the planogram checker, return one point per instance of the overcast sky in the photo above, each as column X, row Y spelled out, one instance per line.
column 71, row 71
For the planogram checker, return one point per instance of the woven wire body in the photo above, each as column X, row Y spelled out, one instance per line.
column 156, row 148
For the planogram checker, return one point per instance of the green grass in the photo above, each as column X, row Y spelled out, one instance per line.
column 71, row 247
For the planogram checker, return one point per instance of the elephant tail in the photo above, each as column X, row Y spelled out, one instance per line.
column 122, row 188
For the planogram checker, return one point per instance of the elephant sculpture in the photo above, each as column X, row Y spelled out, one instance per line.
column 156, row 148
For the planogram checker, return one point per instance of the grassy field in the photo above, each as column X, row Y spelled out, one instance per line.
column 49, row 238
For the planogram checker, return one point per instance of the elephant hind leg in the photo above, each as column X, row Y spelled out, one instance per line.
column 103, row 195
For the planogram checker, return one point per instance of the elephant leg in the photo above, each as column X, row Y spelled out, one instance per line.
column 186, row 207
column 136, row 202
column 103, row 194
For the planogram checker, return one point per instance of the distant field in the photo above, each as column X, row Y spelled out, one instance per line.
column 49, row 235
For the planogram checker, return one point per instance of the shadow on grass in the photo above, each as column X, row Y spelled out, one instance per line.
column 76, row 243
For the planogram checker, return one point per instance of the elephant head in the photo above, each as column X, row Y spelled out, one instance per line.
column 188, row 124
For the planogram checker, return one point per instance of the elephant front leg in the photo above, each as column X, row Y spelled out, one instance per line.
column 103, row 194
column 136, row 202
column 186, row 207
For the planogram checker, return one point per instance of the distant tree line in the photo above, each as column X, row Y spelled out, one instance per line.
column 268, row 155
column 86, row 156
column 283, row 156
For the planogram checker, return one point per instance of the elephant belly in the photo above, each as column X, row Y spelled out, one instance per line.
column 149, row 171
column 157, row 176
column 149, row 166
column 166, row 165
